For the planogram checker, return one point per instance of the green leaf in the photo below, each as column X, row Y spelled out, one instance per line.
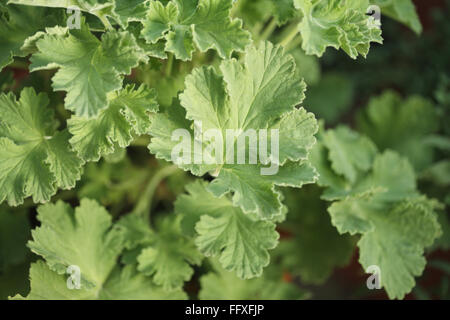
column 206, row 23
column 402, row 125
column 349, row 152
column 35, row 158
column 396, row 223
column 89, row 69
column 136, row 231
column 125, row 284
column 401, row 10
column 393, row 238
column 327, row 177
column 128, row 284
column 86, row 238
column 283, row 10
column 253, row 12
column 126, row 116
column 169, row 258
column 255, row 193
column 46, row 284
column 151, row 49
column 83, row 237
column 259, row 95
column 240, row 242
column 222, row 285
column 18, row 26
column 338, row 24
column 130, row 10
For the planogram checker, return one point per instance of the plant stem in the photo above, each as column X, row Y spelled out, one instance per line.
column 268, row 30
column 289, row 37
column 144, row 205
column 169, row 65
column 142, row 141
column 105, row 22
column 294, row 43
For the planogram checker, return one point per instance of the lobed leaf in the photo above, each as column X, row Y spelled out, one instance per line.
column 261, row 94
column 127, row 115
column 36, row 159
column 89, row 68
column 338, row 24
column 222, row 230
column 205, row 23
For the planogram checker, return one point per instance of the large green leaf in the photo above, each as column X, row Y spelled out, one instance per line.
column 259, row 95
column 87, row 239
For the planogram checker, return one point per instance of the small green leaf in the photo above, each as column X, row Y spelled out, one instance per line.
column 169, row 258
column 206, row 23
column 240, row 242
column 341, row 24
column 126, row 116
column 35, row 159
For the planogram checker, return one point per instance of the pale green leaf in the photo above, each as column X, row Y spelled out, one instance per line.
column 89, row 68
column 83, row 237
column 261, row 94
column 349, row 152
column 283, row 10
